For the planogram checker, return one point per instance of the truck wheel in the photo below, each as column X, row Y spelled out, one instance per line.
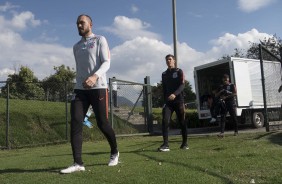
column 258, row 119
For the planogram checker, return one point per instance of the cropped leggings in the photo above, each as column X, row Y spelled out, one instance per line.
column 98, row 99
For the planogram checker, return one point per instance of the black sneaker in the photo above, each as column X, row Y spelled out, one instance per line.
column 184, row 147
column 163, row 148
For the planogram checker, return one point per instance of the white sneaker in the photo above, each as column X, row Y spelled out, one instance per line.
column 114, row 159
column 212, row 120
column 163, row 148
column 74, row 168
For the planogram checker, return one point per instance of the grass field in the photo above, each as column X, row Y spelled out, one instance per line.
column 40, row 122
column 256, row 156
column 33, row 123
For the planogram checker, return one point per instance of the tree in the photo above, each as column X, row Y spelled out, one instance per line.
column 23, row 85
column 158, row 99
column 157, row 95
column 273, row 44
column 189, row 95
column 59, row 84
column 237, row 53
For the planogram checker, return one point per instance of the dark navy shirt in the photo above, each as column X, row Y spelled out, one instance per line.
column 173, row 83
column 228, row 89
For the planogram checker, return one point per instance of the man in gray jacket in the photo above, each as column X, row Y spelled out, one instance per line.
column 92, row 57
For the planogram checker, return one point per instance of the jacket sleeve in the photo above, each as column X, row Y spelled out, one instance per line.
column 105, row 56
column 164, row 88
column 181, row 83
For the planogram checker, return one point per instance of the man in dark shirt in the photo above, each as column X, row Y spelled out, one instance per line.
column 173, row 84
column 227, row 92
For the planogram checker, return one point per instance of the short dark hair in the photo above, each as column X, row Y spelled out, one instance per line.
column 81, row 15
column 169, row 55
column 225, row 76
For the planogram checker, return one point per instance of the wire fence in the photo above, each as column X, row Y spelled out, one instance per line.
column 130, row 106
column 272, row 88
column 35, row 113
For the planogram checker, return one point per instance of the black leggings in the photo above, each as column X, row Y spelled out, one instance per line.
column 98, row 99
column 180, row 113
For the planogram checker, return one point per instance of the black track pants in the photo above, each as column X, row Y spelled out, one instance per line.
column 231, row 108
column 179, row 109
column 98, row 99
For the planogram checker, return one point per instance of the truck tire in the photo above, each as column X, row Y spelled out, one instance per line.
column 258, row 119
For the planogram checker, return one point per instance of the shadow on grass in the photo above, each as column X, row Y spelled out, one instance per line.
column 17, row 170
column 142, row 152
column 96, row 153
column 276, row 138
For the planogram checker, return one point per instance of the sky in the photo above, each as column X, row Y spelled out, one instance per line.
column 40, row 34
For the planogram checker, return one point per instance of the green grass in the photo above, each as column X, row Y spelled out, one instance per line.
column 33, row 122
column 231, row 160
column 40, row 122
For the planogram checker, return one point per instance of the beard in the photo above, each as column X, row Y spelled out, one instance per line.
column 83, row 32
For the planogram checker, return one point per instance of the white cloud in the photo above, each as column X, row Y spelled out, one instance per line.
column 228, row 42
column 134, row 8
column 40, row 58
column 46, row 38
column 253, row 5
column 4, row 72
column 19, row 22
column 140, row 57
column 7, row 6
column 22, row 20
column 142, row 54
column 16, row 52
column 130, row 28
column 8, row 39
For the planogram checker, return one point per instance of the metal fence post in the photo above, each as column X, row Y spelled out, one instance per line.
column 111, row 101
column 66, row 105
column 263, row 90
column 7, row 117
column 149, row 113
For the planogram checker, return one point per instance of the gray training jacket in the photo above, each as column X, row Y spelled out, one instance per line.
column 92, row 56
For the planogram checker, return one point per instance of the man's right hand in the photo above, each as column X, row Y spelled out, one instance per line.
column 171, row 97
column 90, row 81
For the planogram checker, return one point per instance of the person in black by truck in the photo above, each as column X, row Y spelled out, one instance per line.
column 227, row 91
column 173, row 85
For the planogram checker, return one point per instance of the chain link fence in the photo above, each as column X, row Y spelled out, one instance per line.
column 272, row 88
column 130, row 106
column 35, row 113
column 3, row 117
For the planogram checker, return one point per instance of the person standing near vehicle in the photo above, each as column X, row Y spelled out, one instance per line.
column 92, row 57
column 216, row 105
column 173, row 85
column 114, row 90
column 227, row 92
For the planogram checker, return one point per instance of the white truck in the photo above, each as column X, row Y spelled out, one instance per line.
column 246, row 75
